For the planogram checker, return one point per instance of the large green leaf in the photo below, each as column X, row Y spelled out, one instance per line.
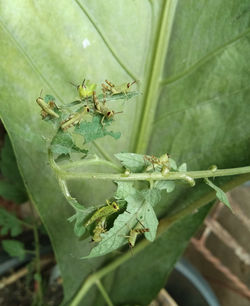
column 191, row 59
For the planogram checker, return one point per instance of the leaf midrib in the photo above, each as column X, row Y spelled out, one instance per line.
column 153, row 84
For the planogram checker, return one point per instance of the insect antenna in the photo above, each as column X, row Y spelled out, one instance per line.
column 73, row 84
column 140, row 223
column 41, row 92
column 115, row 113
column 83, row 85
column 130, row 84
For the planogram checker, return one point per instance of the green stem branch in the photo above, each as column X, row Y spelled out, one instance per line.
column 170, row 176
column 88, row 162
column 104, row 293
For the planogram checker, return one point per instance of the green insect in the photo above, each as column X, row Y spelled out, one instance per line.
column 103, row 212
column 85, row 90
column 133, row 234
column 161, row 163
column 102, row 109
column 99, row 229
column 117, row 89
column 47, row 108
column 75, row 118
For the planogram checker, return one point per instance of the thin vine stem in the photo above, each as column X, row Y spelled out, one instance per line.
column 104, row 293
column 170, row 176
column 37, row 258
column 88, row 162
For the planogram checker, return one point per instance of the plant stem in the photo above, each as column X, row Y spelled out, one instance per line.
column 104, row 293
column 86, row 162
column 164, row 225
column 37, row 259
column 170, row 176
column 26, row 224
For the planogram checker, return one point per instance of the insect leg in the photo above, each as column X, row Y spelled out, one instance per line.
column 104, row 96
column 109, row 83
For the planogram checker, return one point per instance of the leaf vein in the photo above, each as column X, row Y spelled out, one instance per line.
column 204, row 59
column 105, row 40
column 28, row 59
column 167, row 114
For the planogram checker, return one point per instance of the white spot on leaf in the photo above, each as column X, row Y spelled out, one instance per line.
column 85, row 43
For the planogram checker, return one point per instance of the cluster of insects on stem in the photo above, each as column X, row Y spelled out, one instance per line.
column 93, row 105
column 161, row 163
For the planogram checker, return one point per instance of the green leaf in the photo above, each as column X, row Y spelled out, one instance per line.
column 63, row 144
column 133, row 162
column 182, row 167
column 94, row 130
column 49, row 98
column 9, row 223
column 14, row 248
column 220, row 194
column 193, row 76
column 152, row 196
column 124, row 189
column 169, row 186
column 80, row 217
column 139, row 207
column 172, row 164
column 11, row 187
column 115, row 237
column 150, row 221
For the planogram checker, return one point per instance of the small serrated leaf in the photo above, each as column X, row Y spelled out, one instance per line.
column 124, row 189
column 63, row 143
column 220, row 194
column 182, row 167
column 14, row 248
column 94, row 129
column 139, row 207
column 169, row 186
column 173, row 164
column 115, row 237
column 80, row 217
column 9, row 223
column 134, row 162
column 152, row 196
column 48, row 98
column 150, row 221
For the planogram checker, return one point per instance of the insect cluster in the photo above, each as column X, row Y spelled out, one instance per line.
column 93, row 104
column 161, row 164
column 98, row 221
